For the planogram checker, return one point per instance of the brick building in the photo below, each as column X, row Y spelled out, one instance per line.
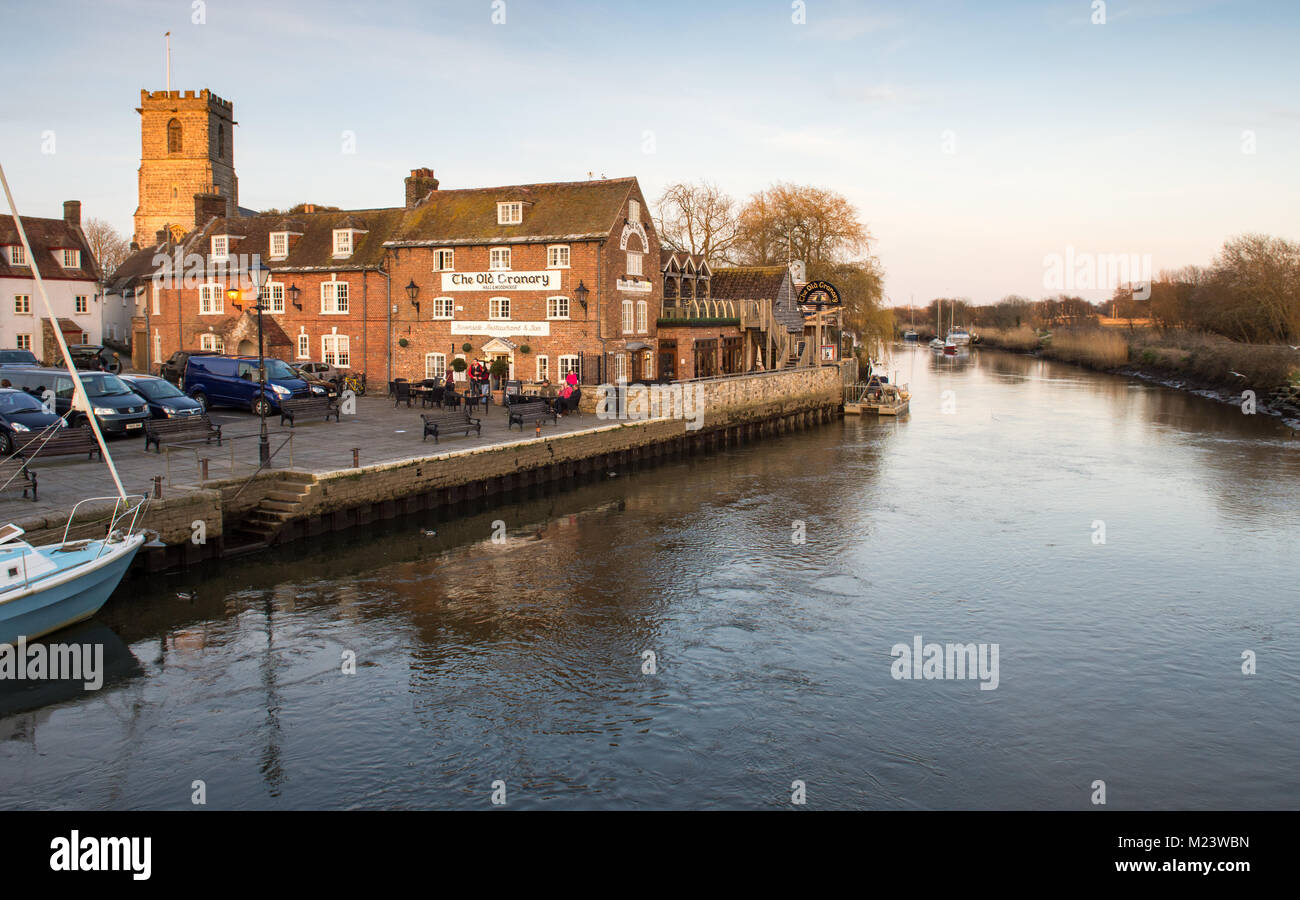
column 67, row 267
column 550, row 277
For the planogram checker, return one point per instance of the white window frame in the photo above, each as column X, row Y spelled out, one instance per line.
column 329, row 298
column 543, row 368
column 344, row 244
column 557, row 256
column 70, row 259
column 642, row 316
column 211, row 341
column 444, row 260
column 304, row 346
column 336, row 350
column 633, row 211
column 497, row 305
column 17, row 256
column 620, row 367
column 81, row 305
column 444, row 307
column 273, row 291
column 510, row 213
column 23, row 341
column 629, row 316
column 280, row 236
column 25, row 309
column 557, row 307
column 569, row 362
column 220, row 247
column 634, row 263
column 439, row 367
column 216, row 299
column 495, row 256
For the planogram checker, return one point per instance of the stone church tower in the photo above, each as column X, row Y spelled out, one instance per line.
column 187, row 148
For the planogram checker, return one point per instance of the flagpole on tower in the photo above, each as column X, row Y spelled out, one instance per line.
column 168, row 37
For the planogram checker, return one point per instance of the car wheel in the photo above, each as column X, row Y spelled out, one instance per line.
column 6, row 443
column 261, row 407
column 201, row 399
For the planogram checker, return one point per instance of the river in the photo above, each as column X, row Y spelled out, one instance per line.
column 1123, row 544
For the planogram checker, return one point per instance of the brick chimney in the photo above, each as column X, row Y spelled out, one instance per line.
column 72, row 212
column 208, row 206
column 418, row 186
column 160, row 236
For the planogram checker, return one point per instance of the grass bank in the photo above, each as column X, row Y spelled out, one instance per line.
column 1210, row 361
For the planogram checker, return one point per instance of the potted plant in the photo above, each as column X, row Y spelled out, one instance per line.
column 458, row 365
column 500, row 371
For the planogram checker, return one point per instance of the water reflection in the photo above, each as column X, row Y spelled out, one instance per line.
column 769, row 582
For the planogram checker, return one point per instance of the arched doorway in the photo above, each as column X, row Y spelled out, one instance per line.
column 247, row 348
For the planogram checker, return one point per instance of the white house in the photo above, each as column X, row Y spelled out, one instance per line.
column 71, row 277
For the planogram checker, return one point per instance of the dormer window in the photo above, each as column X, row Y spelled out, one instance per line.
column 17, row 255
column 220, row 247
column 279, row 244
column 510, row 213
column 343, row 242
column 70, row 259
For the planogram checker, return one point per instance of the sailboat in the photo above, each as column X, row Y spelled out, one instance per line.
column 48, row 587
column 939, row 344
column 910, row 334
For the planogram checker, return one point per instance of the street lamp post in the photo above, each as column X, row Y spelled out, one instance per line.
column 259, row 274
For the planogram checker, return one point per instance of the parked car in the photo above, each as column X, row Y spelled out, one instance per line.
column 321, row 370
column 233, row 381
column 95, row 358
column 331, row 388
column 117, row 408
column 18, row 358
column 165, row 400
column 173, row 369
column 21, row 414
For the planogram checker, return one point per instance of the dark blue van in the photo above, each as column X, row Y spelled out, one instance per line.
column 233, row 381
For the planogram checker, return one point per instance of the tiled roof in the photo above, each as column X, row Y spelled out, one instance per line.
column 571, row 210
column 315, row 248
column 760, row 283
column 46, row 235
column 136, row 268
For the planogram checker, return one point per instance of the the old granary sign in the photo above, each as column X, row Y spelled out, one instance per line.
column 830, row 294
column 501, row 281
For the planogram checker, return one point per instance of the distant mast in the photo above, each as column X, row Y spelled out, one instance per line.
column 167, row 59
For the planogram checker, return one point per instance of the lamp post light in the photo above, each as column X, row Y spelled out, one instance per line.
column 294, row 293
column 580, row 294
column 413, row 291
column 260, row 274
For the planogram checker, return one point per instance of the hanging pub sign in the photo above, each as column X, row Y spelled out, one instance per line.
column 812, row 288
column 828, row 353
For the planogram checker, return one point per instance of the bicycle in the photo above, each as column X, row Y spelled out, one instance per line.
column 356, row 383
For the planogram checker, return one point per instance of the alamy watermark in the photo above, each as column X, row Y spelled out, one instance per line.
column 951, row 662
column 1073, row 271
column 638, row 402
column 53, row 662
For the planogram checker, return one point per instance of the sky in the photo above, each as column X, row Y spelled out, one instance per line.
column 976, row 139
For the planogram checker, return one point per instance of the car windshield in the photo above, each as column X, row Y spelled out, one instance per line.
column 104, row 386
column 18, row 402
column 155, row 389
column 277, row 369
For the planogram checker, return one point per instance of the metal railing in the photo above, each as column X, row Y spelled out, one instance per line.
column 202, row 463
column 132, row 505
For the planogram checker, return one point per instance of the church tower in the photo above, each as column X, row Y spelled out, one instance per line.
column 187, row 147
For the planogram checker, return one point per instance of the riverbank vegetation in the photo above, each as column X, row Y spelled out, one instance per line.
column 1232, row 324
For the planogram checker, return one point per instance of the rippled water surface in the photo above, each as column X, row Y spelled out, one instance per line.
column 523, row 661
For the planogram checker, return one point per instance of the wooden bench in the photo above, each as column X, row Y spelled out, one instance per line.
column 308, row 407
column 58, row 441
column 182, row 428
column 449, row 420
column 15, row 476
column 529, row 411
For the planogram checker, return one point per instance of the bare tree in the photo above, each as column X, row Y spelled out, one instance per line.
column 793, row 221
column 107, row 245
column 697, row 218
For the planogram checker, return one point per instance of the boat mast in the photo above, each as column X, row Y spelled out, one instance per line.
column 78, row 388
